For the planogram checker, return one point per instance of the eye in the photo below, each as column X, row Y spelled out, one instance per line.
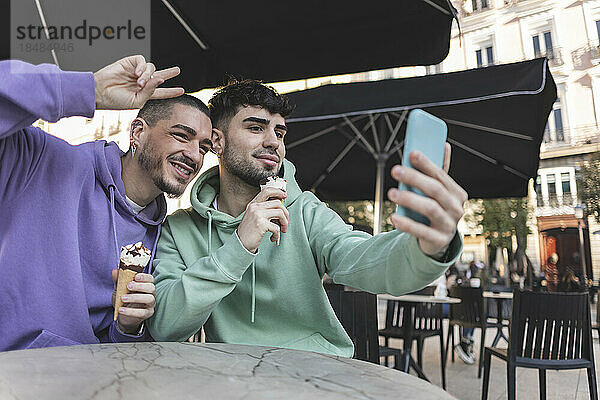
column 256, row 128
column 280, row 134
column 182, row 137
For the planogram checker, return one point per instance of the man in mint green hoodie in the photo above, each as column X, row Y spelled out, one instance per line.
column 214, row 268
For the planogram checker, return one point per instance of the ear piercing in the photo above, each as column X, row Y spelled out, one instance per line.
column 133, row 147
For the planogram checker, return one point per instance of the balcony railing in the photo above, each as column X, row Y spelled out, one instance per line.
column 586, row 56
column 566, row 138
column 465, row 10
column 555, row 204
column 554, row 56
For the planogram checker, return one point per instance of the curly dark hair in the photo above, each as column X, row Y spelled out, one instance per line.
column 228, row 100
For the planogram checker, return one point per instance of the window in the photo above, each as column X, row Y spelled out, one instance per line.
column 551, row 179
column 538, row 191
column 565, row 179
column 558, row 125
column 537, row 50
column 555, row 130
column 598, row 28
column 548, row 41
column 479, row 4
column 484, row 56
column 552, row 199
column 542, row 44
column 547, row 137
column 490, row 55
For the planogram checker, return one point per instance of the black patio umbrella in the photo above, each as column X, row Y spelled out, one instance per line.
column 278, row 40
column 345, row 138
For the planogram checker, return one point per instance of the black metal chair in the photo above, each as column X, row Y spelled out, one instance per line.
column 597, row 326
column 357, row 311
column 469, row 313
column 547, row 331
column 427, row 322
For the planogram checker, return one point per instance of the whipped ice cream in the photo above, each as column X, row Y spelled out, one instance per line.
column 135, row 257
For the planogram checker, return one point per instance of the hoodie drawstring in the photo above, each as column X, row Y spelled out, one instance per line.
column 253, row 291
column 210, row 219
column 209, row 232
column 150, row 266
column 111, row 189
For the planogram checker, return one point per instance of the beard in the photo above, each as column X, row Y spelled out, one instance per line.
column 238, row 165
column 152, row 162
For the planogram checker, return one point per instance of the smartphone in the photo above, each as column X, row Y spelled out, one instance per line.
column 427, row 134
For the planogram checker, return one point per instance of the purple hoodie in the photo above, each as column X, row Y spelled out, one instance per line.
column 63, row 215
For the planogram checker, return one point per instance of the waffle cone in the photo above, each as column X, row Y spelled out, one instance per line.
column 125, row 276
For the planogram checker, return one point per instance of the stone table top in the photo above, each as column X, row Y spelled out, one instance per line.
column 198, row 371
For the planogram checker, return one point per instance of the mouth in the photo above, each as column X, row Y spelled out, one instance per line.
column 182, row 169
column 268, row 159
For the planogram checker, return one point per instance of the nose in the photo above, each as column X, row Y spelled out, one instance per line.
column 270, row 139
column 193, row 153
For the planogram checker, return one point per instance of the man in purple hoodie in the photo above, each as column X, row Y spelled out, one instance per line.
column 66, row 211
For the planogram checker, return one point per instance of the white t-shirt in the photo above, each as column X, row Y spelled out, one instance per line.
column 134, row 206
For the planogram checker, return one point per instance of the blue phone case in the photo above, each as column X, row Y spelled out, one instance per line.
column 427, row 134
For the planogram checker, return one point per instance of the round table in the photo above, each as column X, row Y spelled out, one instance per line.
column 199, row 371
column 500, row 297
column 409, row 302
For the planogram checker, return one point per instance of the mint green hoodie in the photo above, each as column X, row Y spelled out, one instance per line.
column 204, row 276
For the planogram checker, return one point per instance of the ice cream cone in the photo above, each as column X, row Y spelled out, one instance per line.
column 125, row 276
column 278, row 183
column 134, row 258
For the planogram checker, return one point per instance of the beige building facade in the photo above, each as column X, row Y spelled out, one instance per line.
column 567, row 33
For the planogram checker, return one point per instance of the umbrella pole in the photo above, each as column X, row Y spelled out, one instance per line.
column 378, row 212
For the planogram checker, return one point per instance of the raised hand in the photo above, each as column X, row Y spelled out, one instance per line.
column 131, row 81
column 265, row 213
column 443, row 208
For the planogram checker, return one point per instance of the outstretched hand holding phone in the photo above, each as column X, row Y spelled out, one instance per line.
column 441, row 202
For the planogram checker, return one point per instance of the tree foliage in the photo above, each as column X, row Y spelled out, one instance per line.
column 500, row 220
column 589, row 185
column 360, row 213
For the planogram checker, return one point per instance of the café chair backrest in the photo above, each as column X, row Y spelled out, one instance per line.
column 470, row 311
column 357, row 311
column 427, row 316
column 550, row 326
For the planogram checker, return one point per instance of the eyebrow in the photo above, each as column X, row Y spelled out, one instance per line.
column 185, row 128
column 264, row 121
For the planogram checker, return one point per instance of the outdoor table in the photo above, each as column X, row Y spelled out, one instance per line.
column 499, row 297
column 409, row 303
column 198, row 370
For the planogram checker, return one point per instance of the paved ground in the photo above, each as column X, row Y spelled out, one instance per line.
column 463, row 383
